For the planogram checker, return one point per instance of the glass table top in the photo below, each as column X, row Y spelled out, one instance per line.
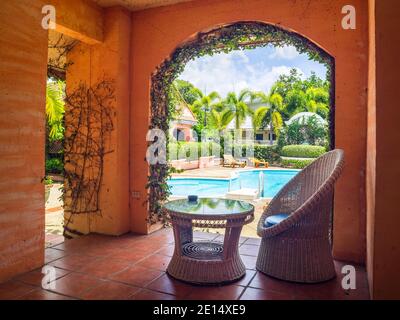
column 209, row 206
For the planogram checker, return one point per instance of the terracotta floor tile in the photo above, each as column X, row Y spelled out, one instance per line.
column 101, row 250
column 75, row 284
column 253, row 241
column 322, row 291
column 330, row 291
column 73, row 262
column 258, row 294
column 70, row 245
column 53, row 254
column 105, row 267
column 262, row 281
column 35, row 277
column 221, row 239
column 131, row 267
column 12, row 290
column 130, row 255
column 205, row 235
column 145, row 294
column 41, row 294
column 246, row 279
column 53, row 240
column 166, row 238
column 156, row 261
column 172, row 286
column 110, row 290
column 248, row 250
column 226, row 292
column 249, row 262
column 167, row 251
column 146, row 246
column 137, row 276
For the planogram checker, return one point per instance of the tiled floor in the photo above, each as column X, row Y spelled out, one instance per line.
column 133, row 267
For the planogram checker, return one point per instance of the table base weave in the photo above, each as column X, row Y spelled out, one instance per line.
column 203, row 250
column 203, row 263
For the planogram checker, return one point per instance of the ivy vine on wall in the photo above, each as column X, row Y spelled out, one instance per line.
column 224, row 39
column 88, row 122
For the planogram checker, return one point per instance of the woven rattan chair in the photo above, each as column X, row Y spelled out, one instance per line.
column 295, row 227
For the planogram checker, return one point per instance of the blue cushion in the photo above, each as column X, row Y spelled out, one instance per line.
column 275, row 219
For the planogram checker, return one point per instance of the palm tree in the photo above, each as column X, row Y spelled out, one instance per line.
column 55, row 109
column 221, row 119
column 317, row 101
column 205, row 103
column 272, row 113
column 239, row 107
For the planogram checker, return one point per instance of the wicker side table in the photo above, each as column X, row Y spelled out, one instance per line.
column 207, row 262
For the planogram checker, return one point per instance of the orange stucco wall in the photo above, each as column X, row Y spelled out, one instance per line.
column 157, row 32
column 383, row 155
column 91, row 64
column 23, row 66
column 79, row 19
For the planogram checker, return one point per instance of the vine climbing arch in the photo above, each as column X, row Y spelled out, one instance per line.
column 222, row 39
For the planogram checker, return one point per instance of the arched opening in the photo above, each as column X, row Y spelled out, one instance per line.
column 223, row 39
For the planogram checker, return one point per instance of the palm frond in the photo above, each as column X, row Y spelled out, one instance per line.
column 258, row 116
column 277, row 122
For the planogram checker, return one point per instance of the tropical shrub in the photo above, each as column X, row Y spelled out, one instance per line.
column 295, row 163
column 263, row 152
column 54, row 165
column 47, row 181
column 312, row 132
column 55, row 109
column 302, row 151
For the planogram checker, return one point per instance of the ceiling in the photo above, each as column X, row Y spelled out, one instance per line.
column 135, row 5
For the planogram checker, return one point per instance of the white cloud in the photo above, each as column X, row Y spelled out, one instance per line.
column 231, row 72
column 286, row 52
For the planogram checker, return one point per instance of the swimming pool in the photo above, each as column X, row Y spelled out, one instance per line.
column 274, row 180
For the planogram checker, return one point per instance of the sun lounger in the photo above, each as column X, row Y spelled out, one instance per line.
column 229, row 161
column 257, row 163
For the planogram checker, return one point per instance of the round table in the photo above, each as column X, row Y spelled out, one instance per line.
column 207, row 262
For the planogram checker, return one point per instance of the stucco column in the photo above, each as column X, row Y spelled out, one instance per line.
column 90, row 65
column 23, row 67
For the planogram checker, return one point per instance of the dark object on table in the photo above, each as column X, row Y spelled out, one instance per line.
column 192, row 198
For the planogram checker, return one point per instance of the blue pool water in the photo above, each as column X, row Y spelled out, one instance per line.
column 274, row 180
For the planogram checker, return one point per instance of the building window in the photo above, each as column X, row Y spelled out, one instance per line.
column 179, row 135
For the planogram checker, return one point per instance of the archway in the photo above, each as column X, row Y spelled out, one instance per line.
column 222, row 39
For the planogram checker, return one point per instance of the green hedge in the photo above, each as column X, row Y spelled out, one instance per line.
column 302, row 151
column 179, row 150
column 54, row 165
column 296, row 163
column 264, row 152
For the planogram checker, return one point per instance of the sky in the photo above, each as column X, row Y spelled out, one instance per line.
column 254, row 69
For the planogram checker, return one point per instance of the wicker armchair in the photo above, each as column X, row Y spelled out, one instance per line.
column 298, row 248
